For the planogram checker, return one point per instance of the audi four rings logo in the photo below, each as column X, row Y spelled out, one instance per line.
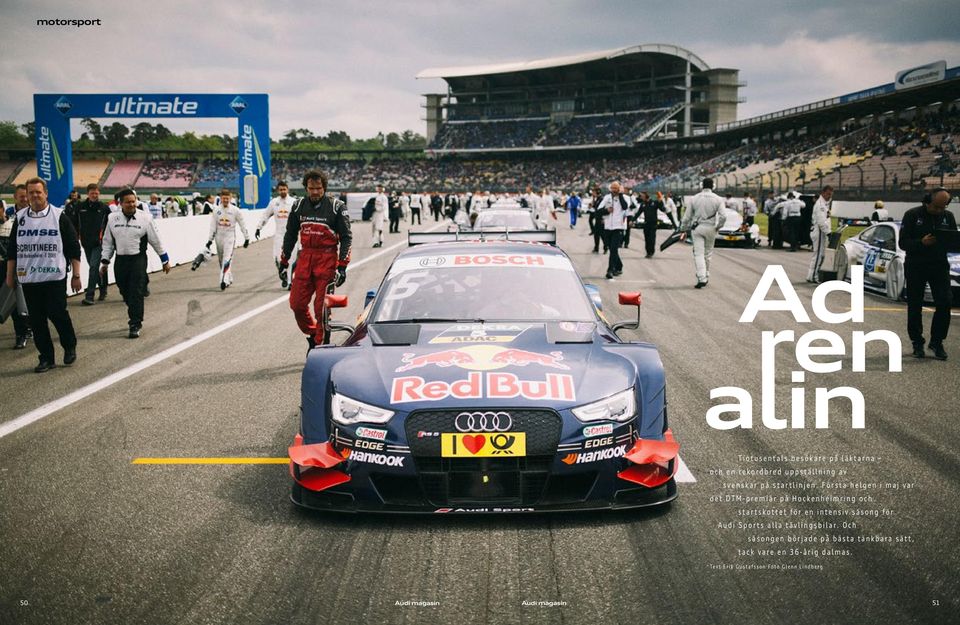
column 483, row 422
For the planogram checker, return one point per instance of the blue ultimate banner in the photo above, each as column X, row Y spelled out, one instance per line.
column 52, row 113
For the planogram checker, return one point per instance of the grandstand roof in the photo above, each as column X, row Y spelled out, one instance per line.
column 562, row 61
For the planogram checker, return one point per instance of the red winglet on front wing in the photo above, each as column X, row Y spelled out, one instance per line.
column 651, row 460
column 315, row 464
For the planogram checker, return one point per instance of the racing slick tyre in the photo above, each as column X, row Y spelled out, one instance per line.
column 896, row 280
column 841, row 263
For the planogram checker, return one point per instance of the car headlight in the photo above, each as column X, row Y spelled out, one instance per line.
column 619, row 407
column 349, row 411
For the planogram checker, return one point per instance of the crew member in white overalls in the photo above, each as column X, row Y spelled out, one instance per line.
column 819, row 231
column 703, row 219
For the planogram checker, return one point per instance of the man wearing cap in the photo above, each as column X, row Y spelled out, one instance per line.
column 128, row 231
column 42, row 242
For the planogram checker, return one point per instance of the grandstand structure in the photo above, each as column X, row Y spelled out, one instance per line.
column 889, row 141
column 605, row 99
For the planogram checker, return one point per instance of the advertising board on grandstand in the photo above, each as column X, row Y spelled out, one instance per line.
column 922, row 75
column 52, row 113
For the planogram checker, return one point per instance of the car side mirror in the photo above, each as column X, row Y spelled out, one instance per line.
column 372, row 293
column 335, row 301
column 629, row 298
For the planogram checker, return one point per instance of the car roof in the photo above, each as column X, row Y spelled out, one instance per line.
column 482, row 247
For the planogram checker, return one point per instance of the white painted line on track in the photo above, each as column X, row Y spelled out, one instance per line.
column 47, row 409
column 683, row 473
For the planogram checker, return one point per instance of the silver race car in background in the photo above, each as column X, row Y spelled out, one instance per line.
column 877, row 248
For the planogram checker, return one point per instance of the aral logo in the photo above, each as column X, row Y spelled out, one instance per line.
column 238, row 105
column 63, row 105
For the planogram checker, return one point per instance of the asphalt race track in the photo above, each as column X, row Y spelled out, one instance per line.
column 91, row 537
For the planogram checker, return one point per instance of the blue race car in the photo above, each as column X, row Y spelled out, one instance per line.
column 483, row 377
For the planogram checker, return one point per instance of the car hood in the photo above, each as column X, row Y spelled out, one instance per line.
column 559, row 365
column 733, row 222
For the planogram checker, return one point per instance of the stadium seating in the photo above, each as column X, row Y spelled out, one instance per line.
column 166, row 175
column 7, row 169
column 88, row 171
column 515, row 133
column 618, row 128
column 29, row 171
column 123, row 174
column 215, row 173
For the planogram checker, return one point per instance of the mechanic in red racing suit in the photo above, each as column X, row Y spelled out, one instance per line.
column 322, row 225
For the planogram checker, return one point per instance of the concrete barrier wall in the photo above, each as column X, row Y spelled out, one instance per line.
column 184, row 238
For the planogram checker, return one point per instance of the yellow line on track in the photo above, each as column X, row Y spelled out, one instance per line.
column 210, row 461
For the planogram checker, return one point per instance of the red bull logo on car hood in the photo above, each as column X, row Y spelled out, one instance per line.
column 482, row 358
column 491, row 385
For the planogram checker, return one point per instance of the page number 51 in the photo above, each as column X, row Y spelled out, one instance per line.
column 936, row 602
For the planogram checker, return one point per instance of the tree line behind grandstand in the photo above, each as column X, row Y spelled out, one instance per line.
column 147, row 136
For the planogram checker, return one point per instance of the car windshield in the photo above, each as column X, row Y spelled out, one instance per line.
column 514, row 220
column 487, row 287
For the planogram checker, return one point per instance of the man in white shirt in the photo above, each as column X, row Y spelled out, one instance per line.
column 380, row 207
column 223, row 229
column 615, row 208
column 415, row 205
column 670, row 207
column 749, row 209
column 279, row 208
column 790, row 211
column 819, row 229
column 155, row 207
column 544, row 208
column 703, row 219
column 732, row 204
column 124, row 234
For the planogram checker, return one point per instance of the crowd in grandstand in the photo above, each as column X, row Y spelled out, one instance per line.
column 899, row 153
column 485, row 135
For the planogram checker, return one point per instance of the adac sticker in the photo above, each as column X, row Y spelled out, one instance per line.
column 480, row 333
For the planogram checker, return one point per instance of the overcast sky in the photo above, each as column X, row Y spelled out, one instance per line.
column 340, row 65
